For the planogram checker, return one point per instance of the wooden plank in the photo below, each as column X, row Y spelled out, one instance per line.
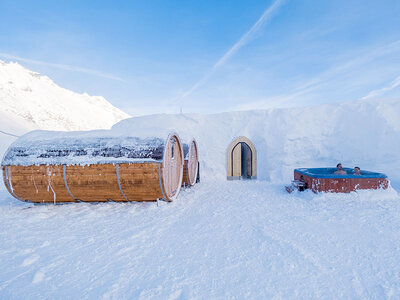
column 185, row 179
column 94, row 183
column 40, row 184
column 140, row 183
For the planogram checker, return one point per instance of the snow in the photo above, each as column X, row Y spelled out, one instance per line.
column 84, row 148
column 35, row 99
column 220, row 239
column 358, row 133
column 185, row 148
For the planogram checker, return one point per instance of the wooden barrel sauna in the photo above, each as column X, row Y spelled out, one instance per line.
column 191, row 164
column 94, row 170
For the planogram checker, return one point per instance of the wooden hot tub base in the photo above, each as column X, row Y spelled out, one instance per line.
column 324, row 180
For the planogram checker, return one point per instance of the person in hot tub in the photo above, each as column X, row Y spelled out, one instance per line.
column 357, row 171
column 340, row 170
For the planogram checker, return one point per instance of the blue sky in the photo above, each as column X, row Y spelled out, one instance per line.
column 209, row 56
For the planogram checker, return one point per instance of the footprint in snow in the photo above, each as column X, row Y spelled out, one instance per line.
column 38, row 277
column 30, row 260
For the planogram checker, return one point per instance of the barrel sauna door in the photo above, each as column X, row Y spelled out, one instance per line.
column 193, row 162
column 172, row 167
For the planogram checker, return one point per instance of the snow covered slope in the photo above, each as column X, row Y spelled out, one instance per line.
column 31, row 98
column 30, row 101
column 10, row 127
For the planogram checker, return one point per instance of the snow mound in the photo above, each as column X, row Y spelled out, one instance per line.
column 364, row 133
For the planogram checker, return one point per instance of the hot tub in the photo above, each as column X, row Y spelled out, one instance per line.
column 324, row 180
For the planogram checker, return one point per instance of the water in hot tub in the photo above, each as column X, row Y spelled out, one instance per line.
column 331, row 171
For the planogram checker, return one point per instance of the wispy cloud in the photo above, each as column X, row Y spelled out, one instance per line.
column 357, row 60
column 331, row 77
column 245, row 39
column 62, row 67
column 394, row 84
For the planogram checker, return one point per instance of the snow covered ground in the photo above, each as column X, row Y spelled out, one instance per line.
column 219, row 240
column 223, row 239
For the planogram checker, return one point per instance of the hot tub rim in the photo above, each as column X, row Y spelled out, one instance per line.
column 365, row 174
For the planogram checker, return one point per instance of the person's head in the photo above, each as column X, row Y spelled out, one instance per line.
column 357, row 171
column 339, row 166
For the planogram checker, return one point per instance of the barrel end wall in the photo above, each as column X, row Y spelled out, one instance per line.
column 172, row 167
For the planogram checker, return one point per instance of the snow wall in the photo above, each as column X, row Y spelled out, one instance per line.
column 358, row 133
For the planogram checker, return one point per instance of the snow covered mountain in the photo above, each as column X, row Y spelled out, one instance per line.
column 35, row 101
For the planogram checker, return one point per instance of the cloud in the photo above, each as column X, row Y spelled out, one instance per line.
column 395, row 83
column 62, row 67
column 245, row 39
column 333, row 77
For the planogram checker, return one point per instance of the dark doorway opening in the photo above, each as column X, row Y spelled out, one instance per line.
column 242, row 168
column 246, row 161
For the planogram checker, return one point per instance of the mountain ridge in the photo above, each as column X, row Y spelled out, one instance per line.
column 37, row 102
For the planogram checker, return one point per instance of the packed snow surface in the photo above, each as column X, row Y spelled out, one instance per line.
column 33, row 99
column 220, row 239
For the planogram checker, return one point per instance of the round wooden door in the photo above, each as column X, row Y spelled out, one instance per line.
column 170, row 167
column 192, row 167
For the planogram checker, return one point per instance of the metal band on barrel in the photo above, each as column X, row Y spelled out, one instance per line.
column 9, row 186
column 66, row 184
column 119, row 184
column 159, row 178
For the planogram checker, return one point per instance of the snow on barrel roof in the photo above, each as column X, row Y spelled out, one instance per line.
column 84, row 148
